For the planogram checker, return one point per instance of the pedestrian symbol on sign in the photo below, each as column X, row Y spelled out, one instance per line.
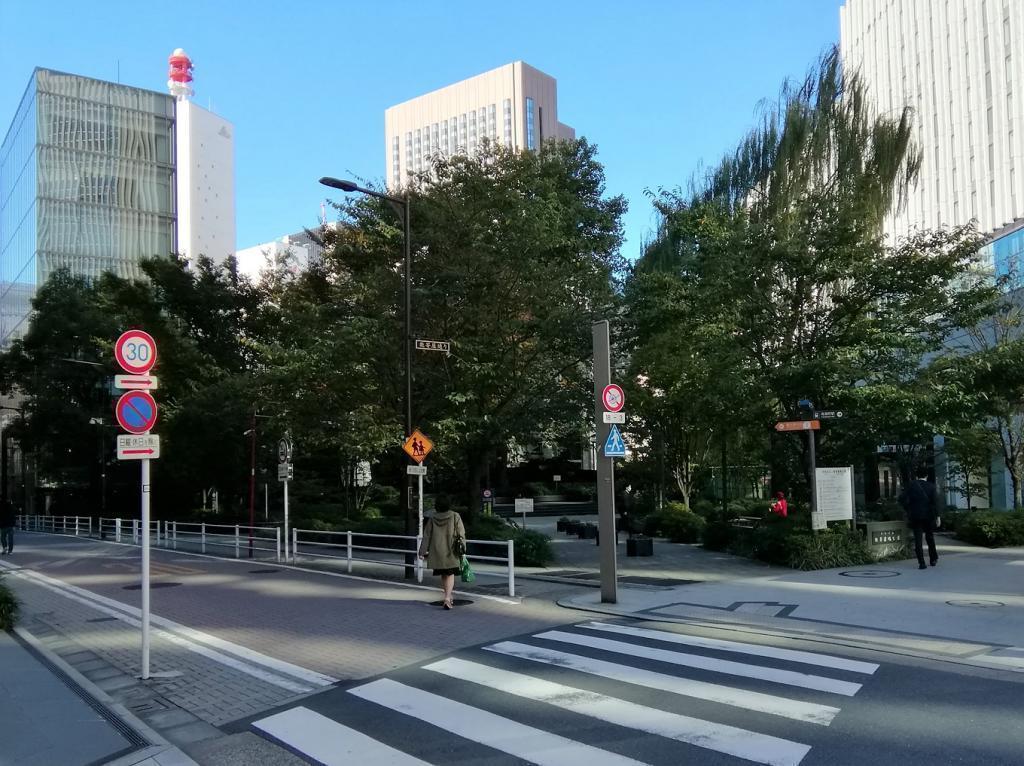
column 614, row 445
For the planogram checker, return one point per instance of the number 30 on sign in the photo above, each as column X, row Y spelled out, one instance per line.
column 135, row 351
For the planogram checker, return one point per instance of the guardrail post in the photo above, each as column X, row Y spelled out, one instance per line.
column 174, row 535
column 419, row 561
column 348, row 549
column 117, row 530
column 202, row 536
column 135, row 531
column 76, row 526
column 63, row 525
column 277, row 533
column 238, row 541
column 295, row 544
column 511, row 555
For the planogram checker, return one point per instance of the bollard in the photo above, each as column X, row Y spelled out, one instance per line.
column 174, row 535
column 511, row 555
column 117, row 530
column 419, row 561
column 349, row 550
column 295, row 544
column 277, row 532
column 202, row 535
column 76, row 526
column 135, row 531
column 237, row 542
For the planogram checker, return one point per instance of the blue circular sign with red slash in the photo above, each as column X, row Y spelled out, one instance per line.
column 136, row 412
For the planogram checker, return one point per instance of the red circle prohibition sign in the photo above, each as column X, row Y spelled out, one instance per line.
column 613, row 398
column 135, row 351
column 136, row 412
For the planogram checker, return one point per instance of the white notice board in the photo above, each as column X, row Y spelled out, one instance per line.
column 835, row 492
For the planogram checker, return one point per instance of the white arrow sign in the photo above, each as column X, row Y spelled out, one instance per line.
column 130, row 382
column 138, row 446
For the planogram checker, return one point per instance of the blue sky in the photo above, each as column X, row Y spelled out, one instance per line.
column 661, row 86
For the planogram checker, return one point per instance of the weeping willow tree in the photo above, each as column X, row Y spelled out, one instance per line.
column 775, row 258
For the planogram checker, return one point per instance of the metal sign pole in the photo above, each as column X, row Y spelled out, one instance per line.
column 419, row 523
column 286, row 521
column 605, row 465
column 145, row 568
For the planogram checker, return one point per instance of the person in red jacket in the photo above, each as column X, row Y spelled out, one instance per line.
column 780, row 506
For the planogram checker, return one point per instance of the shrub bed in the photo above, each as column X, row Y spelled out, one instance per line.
column 992, row 529
column 675, row 522
column 8, row 607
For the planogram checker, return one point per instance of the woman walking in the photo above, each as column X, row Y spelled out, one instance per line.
column 444, row 543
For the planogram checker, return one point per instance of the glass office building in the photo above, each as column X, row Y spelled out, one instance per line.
column 86, row 183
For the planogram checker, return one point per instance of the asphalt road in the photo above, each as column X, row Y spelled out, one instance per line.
column 628, row 692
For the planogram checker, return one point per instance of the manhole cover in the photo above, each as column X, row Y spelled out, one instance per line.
column 456, row 602
column 153, row 585
column 263, row 571
column 870, row 573
column 979, row 604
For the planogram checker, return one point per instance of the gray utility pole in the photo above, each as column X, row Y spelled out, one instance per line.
column 605, row 465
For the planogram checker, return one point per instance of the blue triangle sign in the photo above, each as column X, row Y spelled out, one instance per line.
column 614, row 446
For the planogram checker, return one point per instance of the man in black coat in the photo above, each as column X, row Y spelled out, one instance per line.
column 7, row 520
column 921, row 500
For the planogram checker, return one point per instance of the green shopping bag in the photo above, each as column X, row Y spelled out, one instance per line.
column 466, row 571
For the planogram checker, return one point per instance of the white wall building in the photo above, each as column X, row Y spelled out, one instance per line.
column 960, row 65
column 292, row 252
column 205, row 166
column 514, row 105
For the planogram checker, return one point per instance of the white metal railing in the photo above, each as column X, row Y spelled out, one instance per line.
column 58, row 525
column 232, row 536
column 339, row 546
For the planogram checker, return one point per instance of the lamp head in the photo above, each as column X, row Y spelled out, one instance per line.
column 337, row 183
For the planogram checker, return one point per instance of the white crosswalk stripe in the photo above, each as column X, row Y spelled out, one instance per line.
column 726, row 695
column 807, row 658
column 788, row 677
column 469, row 699
column 486, row 728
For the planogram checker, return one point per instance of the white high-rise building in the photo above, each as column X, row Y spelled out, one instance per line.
column 960, row 65
column 514, row 105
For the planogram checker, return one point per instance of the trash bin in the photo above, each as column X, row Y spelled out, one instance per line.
column 639, row 546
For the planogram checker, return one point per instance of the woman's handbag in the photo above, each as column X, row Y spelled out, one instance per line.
column 458, row 545
column 466, row 571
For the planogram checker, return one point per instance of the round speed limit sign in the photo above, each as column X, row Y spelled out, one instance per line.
column 135, row 351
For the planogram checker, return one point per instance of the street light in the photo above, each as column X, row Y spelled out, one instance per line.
column 400, row 206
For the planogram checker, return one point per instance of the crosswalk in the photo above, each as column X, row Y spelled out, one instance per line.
column 591, row 694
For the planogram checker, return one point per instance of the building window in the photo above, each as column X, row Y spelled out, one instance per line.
column 507, row 116
column 435, row 138
column 408, row 155
column 418, row 156
column 531, row 140
column 472, row 132
column 453, row 136
column 396, row 165
column 463, row 133
column 492, row 122
column 444, row 136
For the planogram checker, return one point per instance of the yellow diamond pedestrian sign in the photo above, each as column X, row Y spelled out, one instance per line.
column 418, row 446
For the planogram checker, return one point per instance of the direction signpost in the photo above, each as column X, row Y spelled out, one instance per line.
column 608, row 398
column 434, row 345
column 136, row 411
column 418, row 446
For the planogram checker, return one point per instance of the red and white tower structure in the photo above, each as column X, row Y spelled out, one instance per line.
column 179, row 75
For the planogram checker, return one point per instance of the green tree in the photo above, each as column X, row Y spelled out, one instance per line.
column 515, row 254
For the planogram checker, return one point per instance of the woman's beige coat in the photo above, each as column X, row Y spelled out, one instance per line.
column 438, row 533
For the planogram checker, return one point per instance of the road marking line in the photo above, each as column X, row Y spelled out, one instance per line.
column 534, row 745
column 194, row 640
column 725, row 695
column 788, row 677
column 792, row 655
column 330, row 743
column 760, row 748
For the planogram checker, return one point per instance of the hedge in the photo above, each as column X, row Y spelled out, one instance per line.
column 992, row 529
column 8, row 607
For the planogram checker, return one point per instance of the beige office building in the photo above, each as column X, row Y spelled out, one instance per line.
column 514, row 105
